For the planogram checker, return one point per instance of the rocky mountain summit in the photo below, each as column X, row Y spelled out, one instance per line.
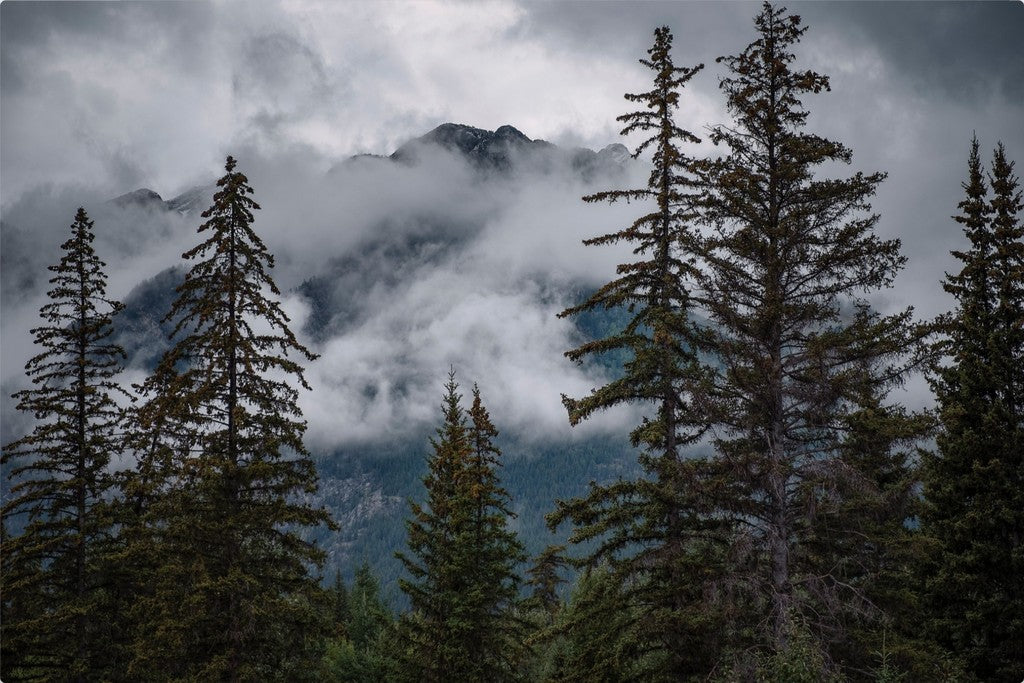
column 503, row 151
column 507, row 147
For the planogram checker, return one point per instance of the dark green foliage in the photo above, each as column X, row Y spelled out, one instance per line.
column 368, row 616
column 545, row 579
column 1008, row 276
column 649, row 529
column 55, row 621
column 861, row 537
column 224, row 590
column 341, row 612
column 596, row 640
column 804, row 358
column 974, row 483
column 362, row 651
column 463, row 558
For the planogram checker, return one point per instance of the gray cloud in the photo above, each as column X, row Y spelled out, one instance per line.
column 944, row 51
column 429, row 266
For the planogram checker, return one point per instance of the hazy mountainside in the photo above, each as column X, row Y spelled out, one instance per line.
column 189, row 203
column 399, row 256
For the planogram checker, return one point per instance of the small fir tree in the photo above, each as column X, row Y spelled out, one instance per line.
column 463, row 557
column 362, row 650
column 544, row 581
column 340, row 609
column 598, row 630
column 55, row 591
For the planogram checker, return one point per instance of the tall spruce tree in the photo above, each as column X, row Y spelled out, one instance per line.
column 653, row 530
column 465, row 558
column 223, row 471
column 974, row 481
column 55, row 624
column 789, row 256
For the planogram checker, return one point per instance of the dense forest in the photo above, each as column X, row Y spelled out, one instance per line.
column 785, row 519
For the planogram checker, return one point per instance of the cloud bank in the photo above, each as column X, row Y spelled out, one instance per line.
column 397, row 272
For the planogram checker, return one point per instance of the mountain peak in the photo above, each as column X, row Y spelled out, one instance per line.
column 484, row 148
column 141, row 197
column 508, row 132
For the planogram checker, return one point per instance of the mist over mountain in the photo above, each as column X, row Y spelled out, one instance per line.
column 456, row 250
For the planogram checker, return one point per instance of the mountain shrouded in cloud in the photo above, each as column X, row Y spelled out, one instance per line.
column 453, row 251
column 456, row 251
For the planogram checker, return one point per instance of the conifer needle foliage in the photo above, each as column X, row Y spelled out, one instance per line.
column 790, row 257
column 463, row 559
column 223, row 473
column 54, row 593
column 974, row 481
column 650, row 529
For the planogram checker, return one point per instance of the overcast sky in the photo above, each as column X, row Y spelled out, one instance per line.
column 97, row 99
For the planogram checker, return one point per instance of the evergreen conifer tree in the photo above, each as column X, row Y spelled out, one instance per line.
column 464, row 558
column 544, row 580
column 367, row 615
column 653, row 532
column 789, row 256
column 599, row 642
column 1006, row 210
column 362, row 651
column 55, row 593
column 341, row 612
column 974, row 480
column 860, row 535
column 223, row 470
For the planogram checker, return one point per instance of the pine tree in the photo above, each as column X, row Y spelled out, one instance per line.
column 362, row 649
column 974, row 480
column 463, row 556
column 861, row 536
column 368, row 616
column 53, row 569
column 652, row 530
column 788, row 257
column 493, row 552
column 545, row 580
column 1006, row 210
column 222, row 470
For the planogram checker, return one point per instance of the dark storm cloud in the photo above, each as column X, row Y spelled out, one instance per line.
column 954, row 50
column 701, row 29
column 911, row 82
column 942, row 49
